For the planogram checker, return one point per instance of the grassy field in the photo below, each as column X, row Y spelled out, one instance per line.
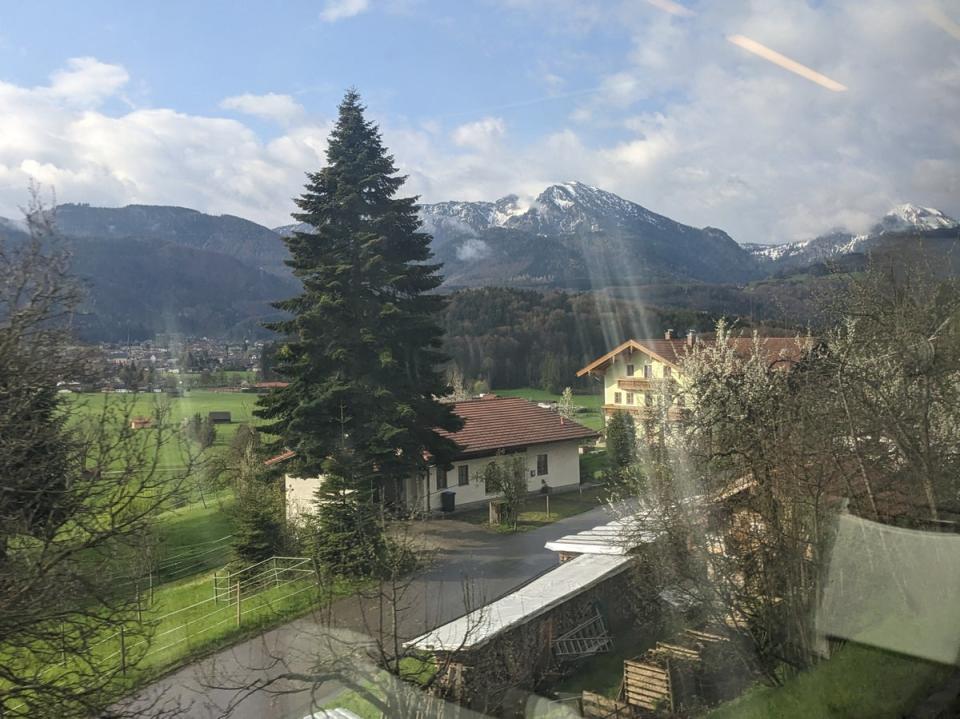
column 195, row 538
column 239, row 404
column 588, row 405
column 857, row 682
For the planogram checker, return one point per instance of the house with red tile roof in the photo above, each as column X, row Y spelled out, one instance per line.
column 636, row 373
column 492, row 426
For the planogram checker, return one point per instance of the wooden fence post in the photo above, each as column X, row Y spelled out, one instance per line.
column 238, row 602
column 123, row 652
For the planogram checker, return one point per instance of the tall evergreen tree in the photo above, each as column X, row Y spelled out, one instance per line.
column 621, row 437
column 362, row 346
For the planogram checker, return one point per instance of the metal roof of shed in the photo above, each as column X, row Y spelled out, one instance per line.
column 618, row 537
column 530, row 601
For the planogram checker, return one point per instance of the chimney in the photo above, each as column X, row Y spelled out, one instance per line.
column 691, row 337
column 668, row 335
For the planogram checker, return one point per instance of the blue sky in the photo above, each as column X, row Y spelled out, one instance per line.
column 222, row 106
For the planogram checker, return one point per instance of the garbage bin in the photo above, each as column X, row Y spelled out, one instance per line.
column 448, row 501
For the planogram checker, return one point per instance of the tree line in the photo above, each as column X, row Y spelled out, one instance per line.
column 523, row 338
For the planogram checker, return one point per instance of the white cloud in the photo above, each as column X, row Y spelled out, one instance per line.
column 87, row 81
column 334, row 10
column 687, row 125
column 279, row 108
column 56, row 135
column 482, row 134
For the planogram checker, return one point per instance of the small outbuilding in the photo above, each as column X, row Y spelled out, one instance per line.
column 219, row 417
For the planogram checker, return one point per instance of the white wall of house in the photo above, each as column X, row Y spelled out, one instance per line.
column 299, row 493
column 563, row 471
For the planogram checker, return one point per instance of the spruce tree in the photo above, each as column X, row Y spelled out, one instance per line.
column 362, row 347
column 621, row 438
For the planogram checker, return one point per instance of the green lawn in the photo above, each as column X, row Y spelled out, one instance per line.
column 589, row 413
column 239, row 404
column 858, row 681
column 192, row 538
column 534, row 513
column 185, row 620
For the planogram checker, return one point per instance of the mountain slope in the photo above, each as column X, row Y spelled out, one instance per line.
column 252, row 244
column 136, row 288
column 903, row 221
column 576, row 236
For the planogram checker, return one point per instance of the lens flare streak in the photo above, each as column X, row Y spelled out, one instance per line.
column 785, row 62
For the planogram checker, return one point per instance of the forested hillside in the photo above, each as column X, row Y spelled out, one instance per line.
column 518, row 338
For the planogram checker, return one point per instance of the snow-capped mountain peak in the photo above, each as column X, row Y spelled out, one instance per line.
column 902, row 218
column 914, row 217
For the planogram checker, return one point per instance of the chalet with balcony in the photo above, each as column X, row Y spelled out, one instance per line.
column 640, row 376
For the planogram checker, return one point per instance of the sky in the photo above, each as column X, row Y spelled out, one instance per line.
column 774, row 120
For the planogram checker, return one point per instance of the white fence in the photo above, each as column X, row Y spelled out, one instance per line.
column 258, row 588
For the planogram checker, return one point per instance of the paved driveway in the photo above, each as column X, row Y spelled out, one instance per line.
column 469, row 562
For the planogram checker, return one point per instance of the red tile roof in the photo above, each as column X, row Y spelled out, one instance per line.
column 672, row 351
column 282, row 457
column 493, row 423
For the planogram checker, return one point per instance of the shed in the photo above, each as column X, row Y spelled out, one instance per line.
column 547, row 591
column 618, row 538
column 219, row 417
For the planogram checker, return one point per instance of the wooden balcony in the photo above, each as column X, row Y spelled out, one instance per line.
column 642, row 412
column 642, row 384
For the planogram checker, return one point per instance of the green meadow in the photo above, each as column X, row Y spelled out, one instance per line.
column 589, row 412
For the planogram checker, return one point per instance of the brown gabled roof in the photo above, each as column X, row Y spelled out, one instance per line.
column 494, row 423
column 601, row 363
column 282, row 457
column 672, row 351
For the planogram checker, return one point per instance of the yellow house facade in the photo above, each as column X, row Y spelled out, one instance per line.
column 640, row 375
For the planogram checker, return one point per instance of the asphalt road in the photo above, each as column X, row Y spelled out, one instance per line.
column 470, row 567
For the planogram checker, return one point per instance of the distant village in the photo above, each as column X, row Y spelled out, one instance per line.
column 170, row 363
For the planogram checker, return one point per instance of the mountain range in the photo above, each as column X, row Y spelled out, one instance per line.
column 156, row 269
column 902, row 219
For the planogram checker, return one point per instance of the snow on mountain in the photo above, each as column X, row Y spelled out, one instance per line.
column 562, row 208
column 912, row 217
column 902, row 218
column 576, row 235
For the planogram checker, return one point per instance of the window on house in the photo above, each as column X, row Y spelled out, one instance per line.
column 629, row 397
column 617, row 397
column 441, row 478
column 487, row 489
column 648, row 399
column 629, row 370
column 648, row 371
column 463, row 474
column 666, row 371
column 541, row 464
